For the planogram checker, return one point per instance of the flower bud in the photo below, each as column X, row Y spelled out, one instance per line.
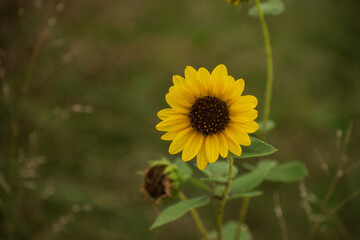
column 161, row 181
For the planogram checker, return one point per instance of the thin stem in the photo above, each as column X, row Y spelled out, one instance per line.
column 220, row 214
column 242, row 216
column 342, row 203
column 280, row 216
column 198, row 222
column 270, row 71
column 268, row 93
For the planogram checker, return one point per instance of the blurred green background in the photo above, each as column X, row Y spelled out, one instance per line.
column 82, row 82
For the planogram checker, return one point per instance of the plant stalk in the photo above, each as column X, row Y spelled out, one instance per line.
column 220, row 214
column 242, row 216
column 270, row 68
column 267, row 104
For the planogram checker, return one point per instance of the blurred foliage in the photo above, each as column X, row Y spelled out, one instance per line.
column 82, row 82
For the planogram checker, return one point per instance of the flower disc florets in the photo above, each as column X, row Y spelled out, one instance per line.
column 209, row 115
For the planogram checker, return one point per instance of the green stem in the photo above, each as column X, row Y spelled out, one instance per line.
column 267, row 104
column 198, row 222
column 220, row 214
column 270, row 72
column 243, row 211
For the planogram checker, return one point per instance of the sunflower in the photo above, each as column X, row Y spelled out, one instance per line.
column 207, row 115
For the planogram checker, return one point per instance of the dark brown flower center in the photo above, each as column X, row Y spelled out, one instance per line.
column 209, row 115
column 156, row 183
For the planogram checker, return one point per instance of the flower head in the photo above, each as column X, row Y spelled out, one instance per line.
column 207, row 115
column 161, row 180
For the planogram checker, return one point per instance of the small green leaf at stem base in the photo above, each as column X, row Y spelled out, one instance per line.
column 178, row 210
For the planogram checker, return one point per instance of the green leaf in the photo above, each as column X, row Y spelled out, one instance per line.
column 218, row 172
column 248, row 166
column 288, row 172
column 247, row 194
column 185, row 171
column 257, row 148
column 271, row 7
column 200, row 184
column 178, row 210
column 214, row 179
column 253, row 179
column 229, row 230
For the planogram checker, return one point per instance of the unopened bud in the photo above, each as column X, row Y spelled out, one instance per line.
column 161, row 181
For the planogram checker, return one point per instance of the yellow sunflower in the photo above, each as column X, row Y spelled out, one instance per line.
column 207, row 115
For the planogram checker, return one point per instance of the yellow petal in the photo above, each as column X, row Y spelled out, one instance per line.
column 191, row 79
column 234, row 147
column 243, row 117
column 204, row 81
column 192, row 146
column 175, row 105
column 170, row 135
column 179, row 141
column 219, row 87
column 243, row 103
column 167, row 113
column 173, row 124
column 182, row 92
column 180, row 98
column 178, row 80
column 249, row 127
column 212, row 148
column 216, row 79
column 237, row 134
column 190, row 73
column 219, row 72
column 229, row 89
column 240, row 84
column 224, row 149
column 201, row 158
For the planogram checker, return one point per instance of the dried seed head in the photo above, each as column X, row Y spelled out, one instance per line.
column 161, row 181
column 156, row 184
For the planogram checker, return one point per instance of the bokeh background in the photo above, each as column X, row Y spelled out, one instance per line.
column 82, row 82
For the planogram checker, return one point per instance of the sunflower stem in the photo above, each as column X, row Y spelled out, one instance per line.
column 198, row 222
column 270, row 71
column 267, row 104
column 242, row 216
column 220, row 214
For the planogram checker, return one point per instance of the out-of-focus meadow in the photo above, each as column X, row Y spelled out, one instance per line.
column 82, row 82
